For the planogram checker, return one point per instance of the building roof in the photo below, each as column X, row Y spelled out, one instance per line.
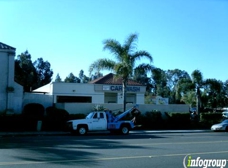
column 110, row 80
column 43, row 89
column 6, row 47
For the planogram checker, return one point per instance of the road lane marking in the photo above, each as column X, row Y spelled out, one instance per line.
column 84, row 146
column 178, row 143
column 109, row 159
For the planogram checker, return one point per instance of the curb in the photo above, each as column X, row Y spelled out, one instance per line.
column 42, row 133
column 11, row 134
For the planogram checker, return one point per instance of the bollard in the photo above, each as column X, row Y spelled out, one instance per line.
column 39, row 125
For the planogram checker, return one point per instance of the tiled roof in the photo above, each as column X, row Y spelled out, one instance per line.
column 6, row 47
column 110, row 80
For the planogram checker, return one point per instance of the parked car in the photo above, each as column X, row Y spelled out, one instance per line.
column 225, row 114
column 223, row 126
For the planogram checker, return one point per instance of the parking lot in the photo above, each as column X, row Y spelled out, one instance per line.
column 138, row 149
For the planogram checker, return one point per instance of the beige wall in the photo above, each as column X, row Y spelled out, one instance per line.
column 18, row 98
column 85, row 108
column 4, row 79
column 45, row 100
column 95, row 91
column 76, row 89
column 72, row 88
column 75, row 108
column 11, row 102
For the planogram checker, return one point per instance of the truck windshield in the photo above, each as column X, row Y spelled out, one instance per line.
column 90, row 115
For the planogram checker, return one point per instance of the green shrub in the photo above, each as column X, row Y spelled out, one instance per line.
column 56, row 114
column 179, row 121
column 150, row 120
column 31, row 114
column 55, row 119
column 33, row 111
column 12, row 123
column 208, row 119
column 215, row 117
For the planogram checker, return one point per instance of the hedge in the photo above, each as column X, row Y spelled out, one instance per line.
column 150, row 120
column 55, row 120
column 208, row 119
column 34, row 111
column 179, row 121
column 12, row 123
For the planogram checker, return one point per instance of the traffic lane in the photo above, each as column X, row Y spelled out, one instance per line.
column 114, row 150
column 170, row 160
column 60, row 148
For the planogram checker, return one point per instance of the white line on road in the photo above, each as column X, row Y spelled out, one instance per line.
column 107, row 159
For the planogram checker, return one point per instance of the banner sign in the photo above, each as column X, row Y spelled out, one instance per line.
column 120, row 88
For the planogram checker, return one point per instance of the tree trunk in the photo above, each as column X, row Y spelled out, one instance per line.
column 198, row 102
column 124, row 94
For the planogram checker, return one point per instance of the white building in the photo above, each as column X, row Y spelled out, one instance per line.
column 102, row 90
column 11, row 93
column 82, row 97
column 73, row 97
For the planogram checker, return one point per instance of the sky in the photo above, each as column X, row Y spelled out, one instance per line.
column 179, row 34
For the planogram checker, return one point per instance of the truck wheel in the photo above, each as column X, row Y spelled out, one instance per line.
column 124, row 130
column 82, row 130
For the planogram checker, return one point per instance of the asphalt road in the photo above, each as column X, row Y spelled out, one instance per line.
column 136, row 150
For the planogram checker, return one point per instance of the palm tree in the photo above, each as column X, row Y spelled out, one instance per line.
column 189, row 98
column 125, row 63
column 189, row 87
column 197, row 79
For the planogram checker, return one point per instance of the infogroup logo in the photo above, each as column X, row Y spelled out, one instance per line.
column 188, row 161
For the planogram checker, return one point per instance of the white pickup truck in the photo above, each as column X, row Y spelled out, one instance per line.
column 102, row 121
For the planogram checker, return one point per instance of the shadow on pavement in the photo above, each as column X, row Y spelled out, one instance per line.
column 68, row 149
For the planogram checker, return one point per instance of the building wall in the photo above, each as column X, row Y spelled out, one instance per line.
column 11, row 101
column 98, row 98
column 75, row 108
column 72, row 88
column 18, row 98
column 97, row 92
column 4, row 80
column 45, row 100
column 140, row 99
column 76, row 89
column 110, row 97
column 134, row 95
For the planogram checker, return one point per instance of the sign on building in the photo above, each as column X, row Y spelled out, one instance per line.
column 160, row 100
column 119, row 88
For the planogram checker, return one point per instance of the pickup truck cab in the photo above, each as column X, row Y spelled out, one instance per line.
column 102, row 121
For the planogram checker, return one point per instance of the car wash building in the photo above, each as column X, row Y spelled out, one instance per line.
column 104, row 90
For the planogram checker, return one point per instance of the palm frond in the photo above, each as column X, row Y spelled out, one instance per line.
column 102, row 64
column 130, row 43
column 140, row 54
column 144, row 68
column 123, row 70
column 107, row 64
column 197, row 77
column 113, row 46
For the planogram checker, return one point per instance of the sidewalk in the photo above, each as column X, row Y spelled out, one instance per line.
column 35, row 133
column 173, row 131
column 47, row 133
